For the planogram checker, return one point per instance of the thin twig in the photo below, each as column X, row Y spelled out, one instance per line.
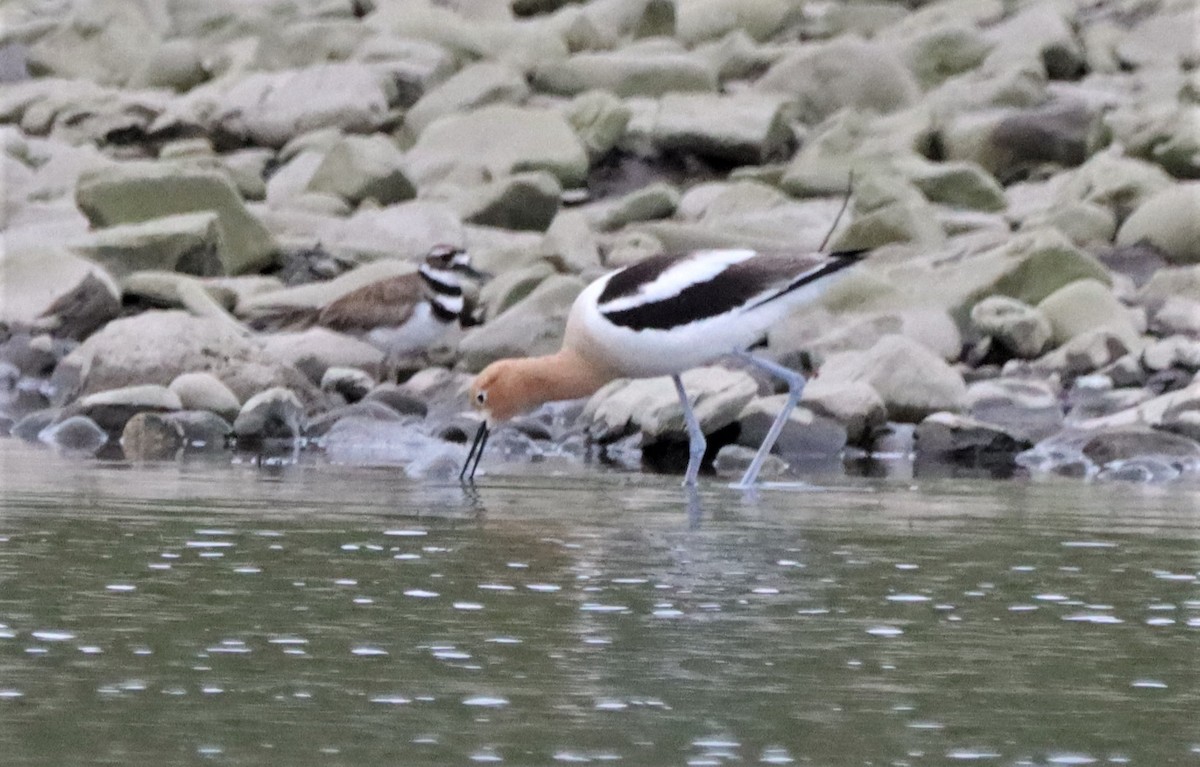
column 838, row 218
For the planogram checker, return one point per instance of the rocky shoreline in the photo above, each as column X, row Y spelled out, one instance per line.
column 1027, row 176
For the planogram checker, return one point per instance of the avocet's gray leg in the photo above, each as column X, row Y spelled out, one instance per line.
column 696, row 441
column 795, row 383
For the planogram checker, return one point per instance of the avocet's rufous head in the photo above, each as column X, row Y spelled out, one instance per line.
column 504, row 389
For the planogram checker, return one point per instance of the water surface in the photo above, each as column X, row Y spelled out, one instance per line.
column 320, row 615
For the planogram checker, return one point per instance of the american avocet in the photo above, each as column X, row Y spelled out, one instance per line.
column 399, row 315
column 659, row 317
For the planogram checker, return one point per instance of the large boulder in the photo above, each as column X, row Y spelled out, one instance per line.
column 155, row 347
column 271, row 108
column 496, row 141
column 135, row 192
column 912, row 381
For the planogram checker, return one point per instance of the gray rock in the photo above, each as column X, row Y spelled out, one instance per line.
column 805, row 433
column 1027, row 409
column 733, row 460
column 1010, row 142
column 1114, row 181
column 37, row 278
column 912, row 381
column 942, row 51
column 1121, row 444
column 112, row 409
column 140, row 191
column 651, row 405
column 1170, row 221
column 77, row 313
column 959, row 184
column 76, row 435
column 473, row 86
column 574, row 246
column 191, row 243
column 1165, row 134
column 351, row 384
column 1040, row 35
column 1020, row 328
column 748, row 127
column 368, row 410
column 272, row 414
column 1153, row 412
column 856, row 406
column 271, row 108
column 361, row 168
column 826, row 77
column 158, row 346
column 1086, row 224
column 1085, row 353
column 166, row 289
column 202, row 429
column 497, row 141
column 401, row 399
column 964, row 439
column 1172, row 352
column 315, row 350
column 30, row 425
column 103, row 40
column 152, row 437
column 439, row 388
column 204, row 391
column 530, row 327
column 174, row 64
column 626, row 73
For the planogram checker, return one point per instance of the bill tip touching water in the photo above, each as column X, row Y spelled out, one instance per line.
column 662, row 316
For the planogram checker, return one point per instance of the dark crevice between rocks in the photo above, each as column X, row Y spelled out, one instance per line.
column 670, row 456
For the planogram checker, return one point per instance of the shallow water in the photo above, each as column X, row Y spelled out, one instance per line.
column 317, row 615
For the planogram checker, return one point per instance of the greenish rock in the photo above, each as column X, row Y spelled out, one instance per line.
column 940, row 52
column 625, row 73
column 631, row 246
column 496, row 141
column 1084, row 306
column 651, row 405
column 177, row 65
column 1165, row 134
column 136, row 192
column 361, row 168
column 959, row 184
column 912, row 381
column 511, row 286
column 823, row 78
column 204, row 391
column 1085, row 353
column 1020, row 328
column 888, row 209
column 1170, row 221
column 191, row 243
column 749, row 128
column 530, row 327
column 474, row 86
column 737, row 56
column 651, row 202
column 599, row 118
column 573, row 244
column 524, row 202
